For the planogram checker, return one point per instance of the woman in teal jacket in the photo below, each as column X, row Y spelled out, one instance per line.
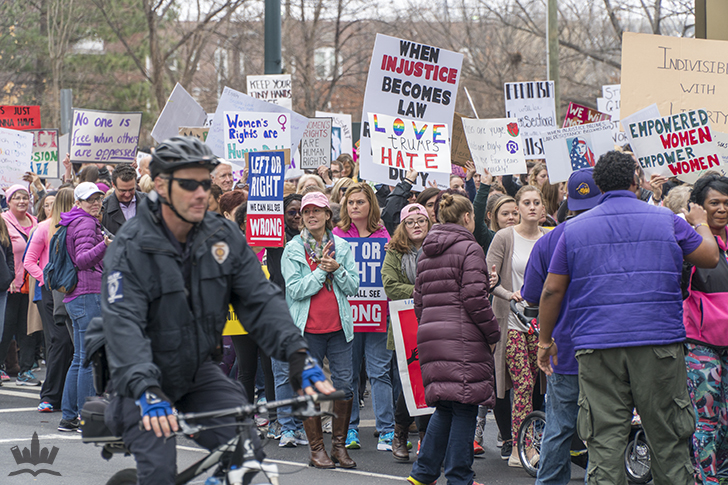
column 320, row 272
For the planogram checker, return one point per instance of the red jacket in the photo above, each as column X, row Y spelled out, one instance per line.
column 456, row 322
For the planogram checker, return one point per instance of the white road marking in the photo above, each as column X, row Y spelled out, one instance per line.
column 17, row 410
column 69, row 436
column 30, row 395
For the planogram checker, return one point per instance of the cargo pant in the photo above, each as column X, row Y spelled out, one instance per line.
column 654, row 380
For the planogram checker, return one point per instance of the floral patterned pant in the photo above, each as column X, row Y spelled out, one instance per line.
column 521, row 353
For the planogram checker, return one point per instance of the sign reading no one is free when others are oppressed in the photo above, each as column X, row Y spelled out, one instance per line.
column 104, row 136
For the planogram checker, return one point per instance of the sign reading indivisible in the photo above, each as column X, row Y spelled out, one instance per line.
column 16, row 151
column 253, row 132
column 341, row 134
column 406, row 144
column 407, row 80
column 104, row 136
column 533, row 103
column 369, row 305
column 404, row 329
column 181, row 110
column 577, row 114
column 680, row 145
column 264, row 226
column 574, row 148
column 273, row 88
column 45, row 153
column 495, row 145
column 316, row 144
column 20, row 117
column 199, row 132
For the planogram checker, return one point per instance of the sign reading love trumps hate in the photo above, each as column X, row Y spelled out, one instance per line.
column 681, row 145
column 369, row 305
column 253, row 132
column 104, row 136
column 407, row 144
column 495, row 145
column 264, row 226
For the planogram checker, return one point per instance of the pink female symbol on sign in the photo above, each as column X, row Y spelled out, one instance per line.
column 282, row 119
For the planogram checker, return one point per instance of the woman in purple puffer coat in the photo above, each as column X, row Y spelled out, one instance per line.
column 456, row 337
column 86, row 244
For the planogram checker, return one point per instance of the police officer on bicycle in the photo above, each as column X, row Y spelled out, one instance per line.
column 165, row 296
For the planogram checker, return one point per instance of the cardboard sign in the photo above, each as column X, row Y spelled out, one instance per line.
column 610, row 103
column 533, row 103
column 181, row 110
column 721, row 139
column 20, row 117
column 45, row 153
column 273, row 88
column 680, row 145
column 407, row 80
column 406, row 144
column 369, row 305
column 199, row 132
column 253, row 132
column 264, row 226
column 316, row 144
column 677, row 73
column 577, row 114
column 404, row 328
column 104, row 136
column 570, row 149
column 459, row 150
column 16, row 150
column 496, row 145
column 232, row 100
column 341, row 134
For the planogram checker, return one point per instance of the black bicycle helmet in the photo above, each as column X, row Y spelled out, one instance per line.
column 180, row 152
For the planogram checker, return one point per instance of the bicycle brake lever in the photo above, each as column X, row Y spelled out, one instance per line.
column 188, row 429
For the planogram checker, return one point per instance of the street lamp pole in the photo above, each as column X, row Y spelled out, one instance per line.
column 273, row 37
column 552, row 51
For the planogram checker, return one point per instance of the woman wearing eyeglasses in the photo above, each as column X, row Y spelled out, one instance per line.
column 320, row 274
column 398, row 276
column 86, row 244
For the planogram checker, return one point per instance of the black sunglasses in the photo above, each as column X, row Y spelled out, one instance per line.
column 191, row 185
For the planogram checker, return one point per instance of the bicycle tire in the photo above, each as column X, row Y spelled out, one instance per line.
column 529, row 439
column 127, row 476
column 637, row 461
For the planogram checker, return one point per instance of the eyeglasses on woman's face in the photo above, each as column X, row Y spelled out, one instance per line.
column 420, row 221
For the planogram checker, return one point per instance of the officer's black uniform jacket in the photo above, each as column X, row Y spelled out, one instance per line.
column 152, row 336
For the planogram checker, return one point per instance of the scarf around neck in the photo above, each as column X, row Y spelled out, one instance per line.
column 409, row 264
column 315, row 250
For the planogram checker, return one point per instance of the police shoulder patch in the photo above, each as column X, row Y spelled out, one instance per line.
column 114, row 287
column 220, row 251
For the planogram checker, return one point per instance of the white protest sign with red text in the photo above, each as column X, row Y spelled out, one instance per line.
column 264, row 225
column 369, row 305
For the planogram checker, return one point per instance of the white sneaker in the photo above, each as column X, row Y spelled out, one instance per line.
column 300, row 437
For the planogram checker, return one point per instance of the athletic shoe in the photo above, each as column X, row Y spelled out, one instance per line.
column 412, row 481
column 288, row 440
column 479, row 429
column 45, row 407
column 35, row 366
column 72, row 425
column 4, row 376
column 506, row 450
column 352, row 440
column 477, row 449
column 327, row 427
column 409, row 445
column 499, row 440
column 27, row 378
column 385, row 441
column 274, row 431
column 513, row 460
column 260, row 421
column 262, row 401
column 300, row 436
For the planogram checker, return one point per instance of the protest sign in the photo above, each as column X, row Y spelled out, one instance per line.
column 104, row 136
column 495, row 145
column 577, row 114
column 721, row 139
column 181, row 110
column 576, row 147
column 16, row 151
column 199, row 132
column 369, row 305
column 680, row 145
column 533, row 103
column 677, row 73
column 459, row 150
column 20, row 117
column 404, row 329
column 45, row 153
column 316, row 144
column 253, row 132
column 341, row 134
column 264, row 226
column 407, row 144
column 232, row 100
column 609, row 103
column 273, row 88
column 409, row 80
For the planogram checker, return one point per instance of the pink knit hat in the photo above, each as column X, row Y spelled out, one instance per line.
column 14, row 188
column 412, row 210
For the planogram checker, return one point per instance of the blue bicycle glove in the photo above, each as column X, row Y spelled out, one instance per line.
column 312, row 373
column 154, row 403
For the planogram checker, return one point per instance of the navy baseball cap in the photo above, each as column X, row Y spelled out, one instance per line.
column 583, row 191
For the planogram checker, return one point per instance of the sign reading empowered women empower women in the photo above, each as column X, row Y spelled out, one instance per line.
column 369, row 305
column 104, row 136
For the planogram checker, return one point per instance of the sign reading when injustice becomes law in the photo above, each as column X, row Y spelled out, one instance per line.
column 20, row 117
column 104, row 136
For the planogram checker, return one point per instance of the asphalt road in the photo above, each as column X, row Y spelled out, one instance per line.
column 80, row 463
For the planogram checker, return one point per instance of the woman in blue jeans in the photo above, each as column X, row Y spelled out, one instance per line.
column 320, row 272
column 86, row 244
